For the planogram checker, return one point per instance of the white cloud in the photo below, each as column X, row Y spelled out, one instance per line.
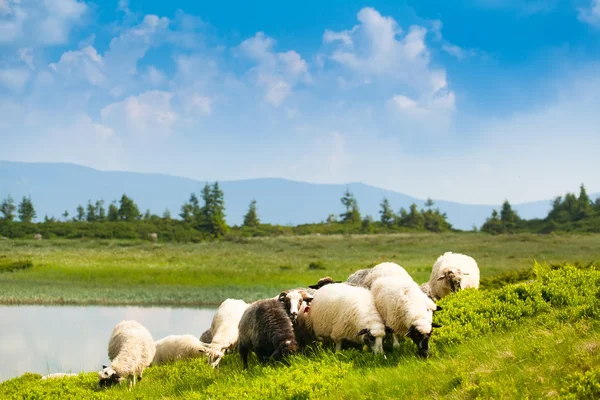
column 197, row 105
column 149, row 114
column 591, row 15
column 26, row 55
column 154, row 76
column 276, row 73
column 44, row 22
column 344, row 36
column 14, row 78
column 83, row 64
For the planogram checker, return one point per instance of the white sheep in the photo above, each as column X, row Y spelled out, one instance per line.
column 366, row 277
column 177, row 347
column 342, row 312
column 223, row 331
column 130, row 350
column 405, row 309
column 451, row 272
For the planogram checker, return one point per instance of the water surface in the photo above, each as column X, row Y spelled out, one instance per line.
column 48, row 339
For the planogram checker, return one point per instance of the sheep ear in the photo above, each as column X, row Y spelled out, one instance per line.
column 434, row 325
column 363, row 332
column 410, row 331
column 313, row 286
column 337, row 281
column 308, row 298
column 438, row 308
column 441, row 277
column 283, row 295
column 104, row 366
column 388, row 330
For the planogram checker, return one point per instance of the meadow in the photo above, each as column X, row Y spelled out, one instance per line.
column 534, row 339
column 126, row 272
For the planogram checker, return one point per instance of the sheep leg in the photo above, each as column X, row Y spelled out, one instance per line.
column 338, row 346
column 244, row 354
column 396, row 343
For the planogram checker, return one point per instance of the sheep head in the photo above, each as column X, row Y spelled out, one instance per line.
column 453, row 277
column 420, row 337
column 108, row 377
column 292, row 301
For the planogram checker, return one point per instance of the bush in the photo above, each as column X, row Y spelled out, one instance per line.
column 8, row 265
column 583, row 385
column 316, row 265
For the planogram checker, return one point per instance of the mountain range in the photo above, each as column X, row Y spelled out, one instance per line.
column 56, row 187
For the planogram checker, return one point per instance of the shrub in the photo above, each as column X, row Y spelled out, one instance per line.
column 8, row 265
column 583, row 385
column 316, row 265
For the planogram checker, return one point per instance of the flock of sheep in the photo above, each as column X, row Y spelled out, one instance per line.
column 372, row 303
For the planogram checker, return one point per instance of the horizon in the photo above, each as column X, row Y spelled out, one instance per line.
column 405, row 97
column 593, row 194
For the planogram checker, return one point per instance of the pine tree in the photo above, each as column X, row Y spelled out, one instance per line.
column 429, row 203
column 492, row 224
column 366, row 225
column 26, row 210
column 352, row 214
column 91, row 212
column 585, row 204
column 8, row 208
column 100, row 211
column 251, row 218
column 218, row 225
column 387, row 215
column 402, row 217
column 80, row 213
column 65, row 215
column 147, row 215
column 167, row 215
column 415, row 218
column 113, row 212
column 128, row 210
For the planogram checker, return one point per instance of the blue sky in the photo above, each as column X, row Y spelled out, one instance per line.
column 469, row 100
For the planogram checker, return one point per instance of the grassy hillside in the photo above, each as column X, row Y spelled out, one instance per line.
column 535, row 339
column 129, row 272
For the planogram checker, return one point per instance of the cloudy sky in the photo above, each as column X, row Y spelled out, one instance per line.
column 468, row 100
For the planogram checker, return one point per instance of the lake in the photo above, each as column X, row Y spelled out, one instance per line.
column 48, row 339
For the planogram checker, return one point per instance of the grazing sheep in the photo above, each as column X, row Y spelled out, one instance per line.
column 366, row 277
column 405, row 310
column 266, row 329
column 344, row 312
column 130, row 350
column 451, row 272
column 153, row 237
column 37, row 236
column 58, row 375
column 176, row 347
column 223, row 332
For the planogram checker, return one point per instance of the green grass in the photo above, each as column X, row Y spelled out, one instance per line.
column 535, row 339
column 138, row 272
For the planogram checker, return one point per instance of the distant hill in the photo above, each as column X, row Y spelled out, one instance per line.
column 56, row 187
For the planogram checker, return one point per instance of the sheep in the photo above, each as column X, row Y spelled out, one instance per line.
column 451, row 272
column 344, row 312
column 37, row 236
column 223, row 332
column 58, row 375
column 266, row 329
column 153, row 237
column 292, row 300
column 366, row 277
column 176, row 347
column 130, row 350
column 322, row 282
column 405, row 309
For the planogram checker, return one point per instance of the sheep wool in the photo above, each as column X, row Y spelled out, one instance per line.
column 130, row 350
column 223, row 333
column 452, row 272
column 405, row 309
column 343, row 312
column 366, row 277
column 176, row 347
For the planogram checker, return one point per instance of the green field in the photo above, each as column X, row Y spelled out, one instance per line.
column 130, row 272
column 533, row 339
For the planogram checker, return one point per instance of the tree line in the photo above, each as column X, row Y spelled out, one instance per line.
column 570, row 213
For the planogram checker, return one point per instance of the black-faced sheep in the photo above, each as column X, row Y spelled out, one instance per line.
column 341, row 312
column 266, row 329
column 130, row 350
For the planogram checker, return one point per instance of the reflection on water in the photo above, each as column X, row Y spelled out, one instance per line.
column 47, row 339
